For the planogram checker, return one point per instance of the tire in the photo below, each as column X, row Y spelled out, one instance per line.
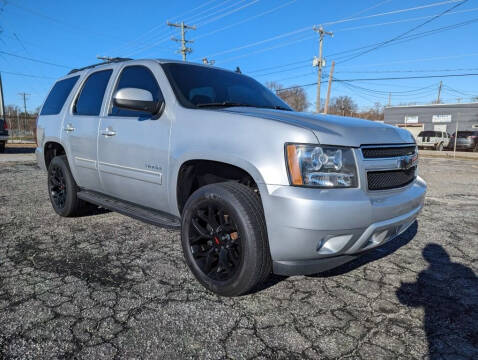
column 62, row 189
column 2, row 147
column 224, row 238
column 440, row 147
column 475, row 149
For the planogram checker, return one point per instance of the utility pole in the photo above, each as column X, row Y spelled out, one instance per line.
column 331, row 74
column 439, row 92
column 24, row 95
column 184, row 49
column 389, row 99
column 2, row 105
column 456, row 135
column 320, row 62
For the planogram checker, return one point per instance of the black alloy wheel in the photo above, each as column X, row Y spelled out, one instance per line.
column 63, row 190
column 215, row 241
column 57, row 186
column 224, row 238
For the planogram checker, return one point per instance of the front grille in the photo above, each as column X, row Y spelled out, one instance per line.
column 383, row 180
column 387, row 152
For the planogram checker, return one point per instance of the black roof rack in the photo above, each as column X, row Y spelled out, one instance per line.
column 109, row 61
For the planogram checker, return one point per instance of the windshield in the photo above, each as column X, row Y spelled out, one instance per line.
column 200, row 86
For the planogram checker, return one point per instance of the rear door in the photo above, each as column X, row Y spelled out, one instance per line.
column 80, row 128
column 133, row 146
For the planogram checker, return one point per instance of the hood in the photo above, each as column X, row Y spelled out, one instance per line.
column 334, row 130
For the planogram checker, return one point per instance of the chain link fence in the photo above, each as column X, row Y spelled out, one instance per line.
column 21, row 128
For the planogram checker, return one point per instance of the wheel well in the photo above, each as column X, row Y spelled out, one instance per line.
column 194, row 174
column 52, row 149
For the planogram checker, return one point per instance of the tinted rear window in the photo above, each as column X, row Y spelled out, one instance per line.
column 464, row 134
column 91, row 96
column 57, row 97
column 427, row 134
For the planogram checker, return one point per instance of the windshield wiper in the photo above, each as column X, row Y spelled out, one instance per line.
column 223, row 104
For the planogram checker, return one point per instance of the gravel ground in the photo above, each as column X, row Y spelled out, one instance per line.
column 107, row 286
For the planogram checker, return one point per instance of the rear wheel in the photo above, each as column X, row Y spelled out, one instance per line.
column 440, row 147
column 224, row 238
column 475, row 149
column 63, row 190
column 2, row 147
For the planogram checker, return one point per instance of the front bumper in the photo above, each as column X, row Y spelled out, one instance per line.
column 313, row 230
column 4, row 137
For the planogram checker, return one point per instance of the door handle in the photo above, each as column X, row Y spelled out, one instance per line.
column 108, row 132
column 69, row 128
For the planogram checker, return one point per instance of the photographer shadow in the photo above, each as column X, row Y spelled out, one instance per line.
column 448, row 292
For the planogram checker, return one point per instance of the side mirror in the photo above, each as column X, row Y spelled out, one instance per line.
column 136, row 99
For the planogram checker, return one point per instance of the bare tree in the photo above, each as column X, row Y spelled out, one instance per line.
column 343, row 105
column 294, row 96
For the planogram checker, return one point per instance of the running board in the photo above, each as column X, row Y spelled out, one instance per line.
column 144, row 214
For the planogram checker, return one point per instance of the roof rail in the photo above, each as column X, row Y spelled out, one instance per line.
column 108, row 61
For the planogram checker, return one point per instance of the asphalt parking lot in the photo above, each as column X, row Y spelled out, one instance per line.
column 107, row 286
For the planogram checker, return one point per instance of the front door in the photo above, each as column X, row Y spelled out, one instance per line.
column 80, row 129
column 133, row 147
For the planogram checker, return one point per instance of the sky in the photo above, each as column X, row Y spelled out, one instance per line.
column 270, row 40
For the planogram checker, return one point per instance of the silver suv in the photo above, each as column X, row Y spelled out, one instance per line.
column 255, row 187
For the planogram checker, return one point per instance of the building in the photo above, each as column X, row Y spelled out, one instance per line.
column 439, row 117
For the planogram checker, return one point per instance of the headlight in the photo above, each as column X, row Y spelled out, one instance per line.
column 321, row 166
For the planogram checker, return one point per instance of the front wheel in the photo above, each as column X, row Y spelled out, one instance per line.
column 224, row 238
column 2, row 147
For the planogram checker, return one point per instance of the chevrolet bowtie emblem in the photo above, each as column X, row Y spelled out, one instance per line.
column 407, row 162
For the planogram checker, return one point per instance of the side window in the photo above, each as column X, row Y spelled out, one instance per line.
column 91, row 96
column 57, row 96
column 140, row 77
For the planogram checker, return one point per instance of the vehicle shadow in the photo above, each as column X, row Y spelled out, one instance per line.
column 448, row 292
column 374, row 254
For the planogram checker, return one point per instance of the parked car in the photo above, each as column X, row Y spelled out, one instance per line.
column 466, row 140
column 3, row 134
column 437, row 140
column 254, row 187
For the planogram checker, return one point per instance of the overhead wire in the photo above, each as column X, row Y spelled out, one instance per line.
column 401, row 36
column 290, row 33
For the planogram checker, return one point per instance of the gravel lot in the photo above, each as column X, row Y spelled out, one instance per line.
column 106, row 286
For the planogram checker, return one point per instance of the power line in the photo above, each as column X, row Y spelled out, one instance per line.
column 386, row 78
column 403, row 20
column 130, row 45
column 405, row 39
column 245, row 20
column 279, row 36
column 146, row 47
column 405, row 33
column 34, row 60
column 228, row 13
column 58, row 21
column 27, row 75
